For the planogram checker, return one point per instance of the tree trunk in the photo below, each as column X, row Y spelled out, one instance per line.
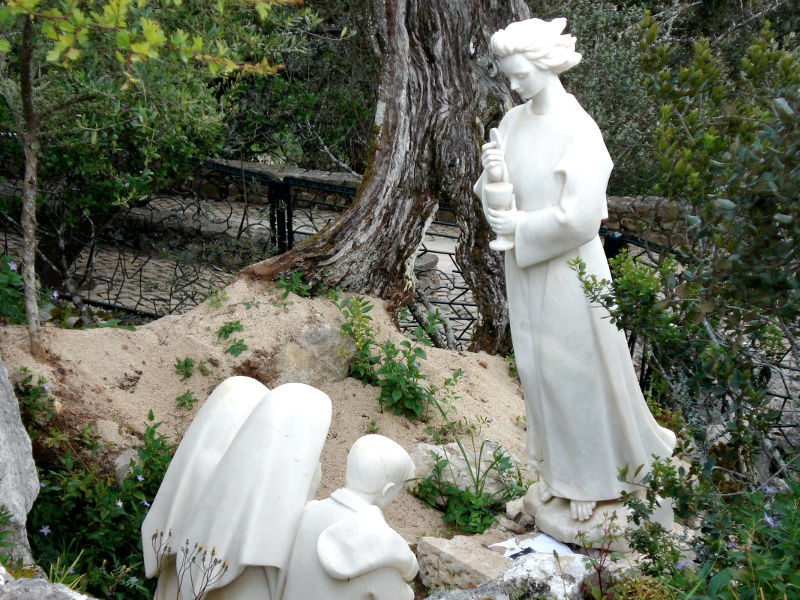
column 31, row 143
column 437, row 94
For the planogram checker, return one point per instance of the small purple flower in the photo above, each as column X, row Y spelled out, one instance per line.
column 46, row 387
column 494, row 419
column 45, row 530
column 768, row 489
column 12, row 266
column 462, row 377
column 139, row 478
column 41, row 484
column 415, row 364
column 71, row 571
column 146, row 503
column 133, row 579
column 54, row 295
column 119, row 502
column 681, row 565
column 769, row 520
column 730, row 544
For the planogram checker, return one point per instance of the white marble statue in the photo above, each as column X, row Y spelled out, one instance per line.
column 344, row 549
column 586, row 415
column 223, row 523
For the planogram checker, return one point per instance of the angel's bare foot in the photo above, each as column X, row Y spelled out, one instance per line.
column 581, row 510
column 545, row 493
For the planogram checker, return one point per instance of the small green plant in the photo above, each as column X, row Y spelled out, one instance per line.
column 283, row 305
column 225, row 331
column 252, row 303
column 372, row 427
column 60, row 572
column 471, row 509
column 5, row 531
column 12, row 303
column 294, row 284
column 184, row 367
column 511, row 362
column 36, row 404
column 236, row 347
column 521, row 421
column 217, row 297
column 358, row 327
column 203, row 368
column 601, row 584
column 186, row 400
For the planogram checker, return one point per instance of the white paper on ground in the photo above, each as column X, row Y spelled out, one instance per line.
column 541, row 543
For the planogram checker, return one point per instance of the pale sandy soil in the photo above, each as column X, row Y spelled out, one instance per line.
column 111, row 378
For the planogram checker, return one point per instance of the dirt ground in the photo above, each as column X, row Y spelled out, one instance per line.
column 112, row 378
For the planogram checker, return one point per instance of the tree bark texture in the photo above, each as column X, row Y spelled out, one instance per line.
column 438, row 93
column 29, row 187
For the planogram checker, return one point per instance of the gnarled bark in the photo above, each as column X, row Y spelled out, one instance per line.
column 438, row 93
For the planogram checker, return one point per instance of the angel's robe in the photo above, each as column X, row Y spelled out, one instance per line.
column 586, row 415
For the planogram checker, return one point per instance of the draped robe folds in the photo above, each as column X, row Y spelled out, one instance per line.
column 586, row 415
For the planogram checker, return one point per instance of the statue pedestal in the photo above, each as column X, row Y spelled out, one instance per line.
column 553, row 518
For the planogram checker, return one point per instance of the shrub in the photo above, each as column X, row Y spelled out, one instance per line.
column 82, row 518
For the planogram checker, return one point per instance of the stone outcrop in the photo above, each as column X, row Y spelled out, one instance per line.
column 539, row 575
column 19, row 484
column 315, row 358
column 461, row 562
column 35, row 589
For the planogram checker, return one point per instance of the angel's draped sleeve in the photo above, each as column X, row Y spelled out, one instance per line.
column 574, row 220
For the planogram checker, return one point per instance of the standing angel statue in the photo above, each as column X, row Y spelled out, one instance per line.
column 543, row 190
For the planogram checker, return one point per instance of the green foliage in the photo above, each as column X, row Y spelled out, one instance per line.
column 294, row 285
column 225, row 331
column 217, row 297
column 122, row 94
column 746, row 545
column 236, row 347
column 186, row 400
column 357, row 327
column 184, row 367
column 511, row 363
column 728, row 151
column 83, row 519
column 12, row 303
column 319, row 113
column 399, row 378
column 37, row 407
column 5, row 531
column 395, row 370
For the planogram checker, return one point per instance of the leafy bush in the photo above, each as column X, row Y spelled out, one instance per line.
column 84, row 519
column 745, row 543
column 84, row 528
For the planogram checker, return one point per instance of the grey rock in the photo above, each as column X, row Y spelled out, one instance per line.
column 44, row 312
column 122, row 464
column 19, row 484
column 318, row 357
column 539, row 575
column 35, row 589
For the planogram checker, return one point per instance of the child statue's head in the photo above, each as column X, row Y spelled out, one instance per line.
column 377, row 468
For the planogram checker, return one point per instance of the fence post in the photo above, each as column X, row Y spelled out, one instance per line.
column 280, row 214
